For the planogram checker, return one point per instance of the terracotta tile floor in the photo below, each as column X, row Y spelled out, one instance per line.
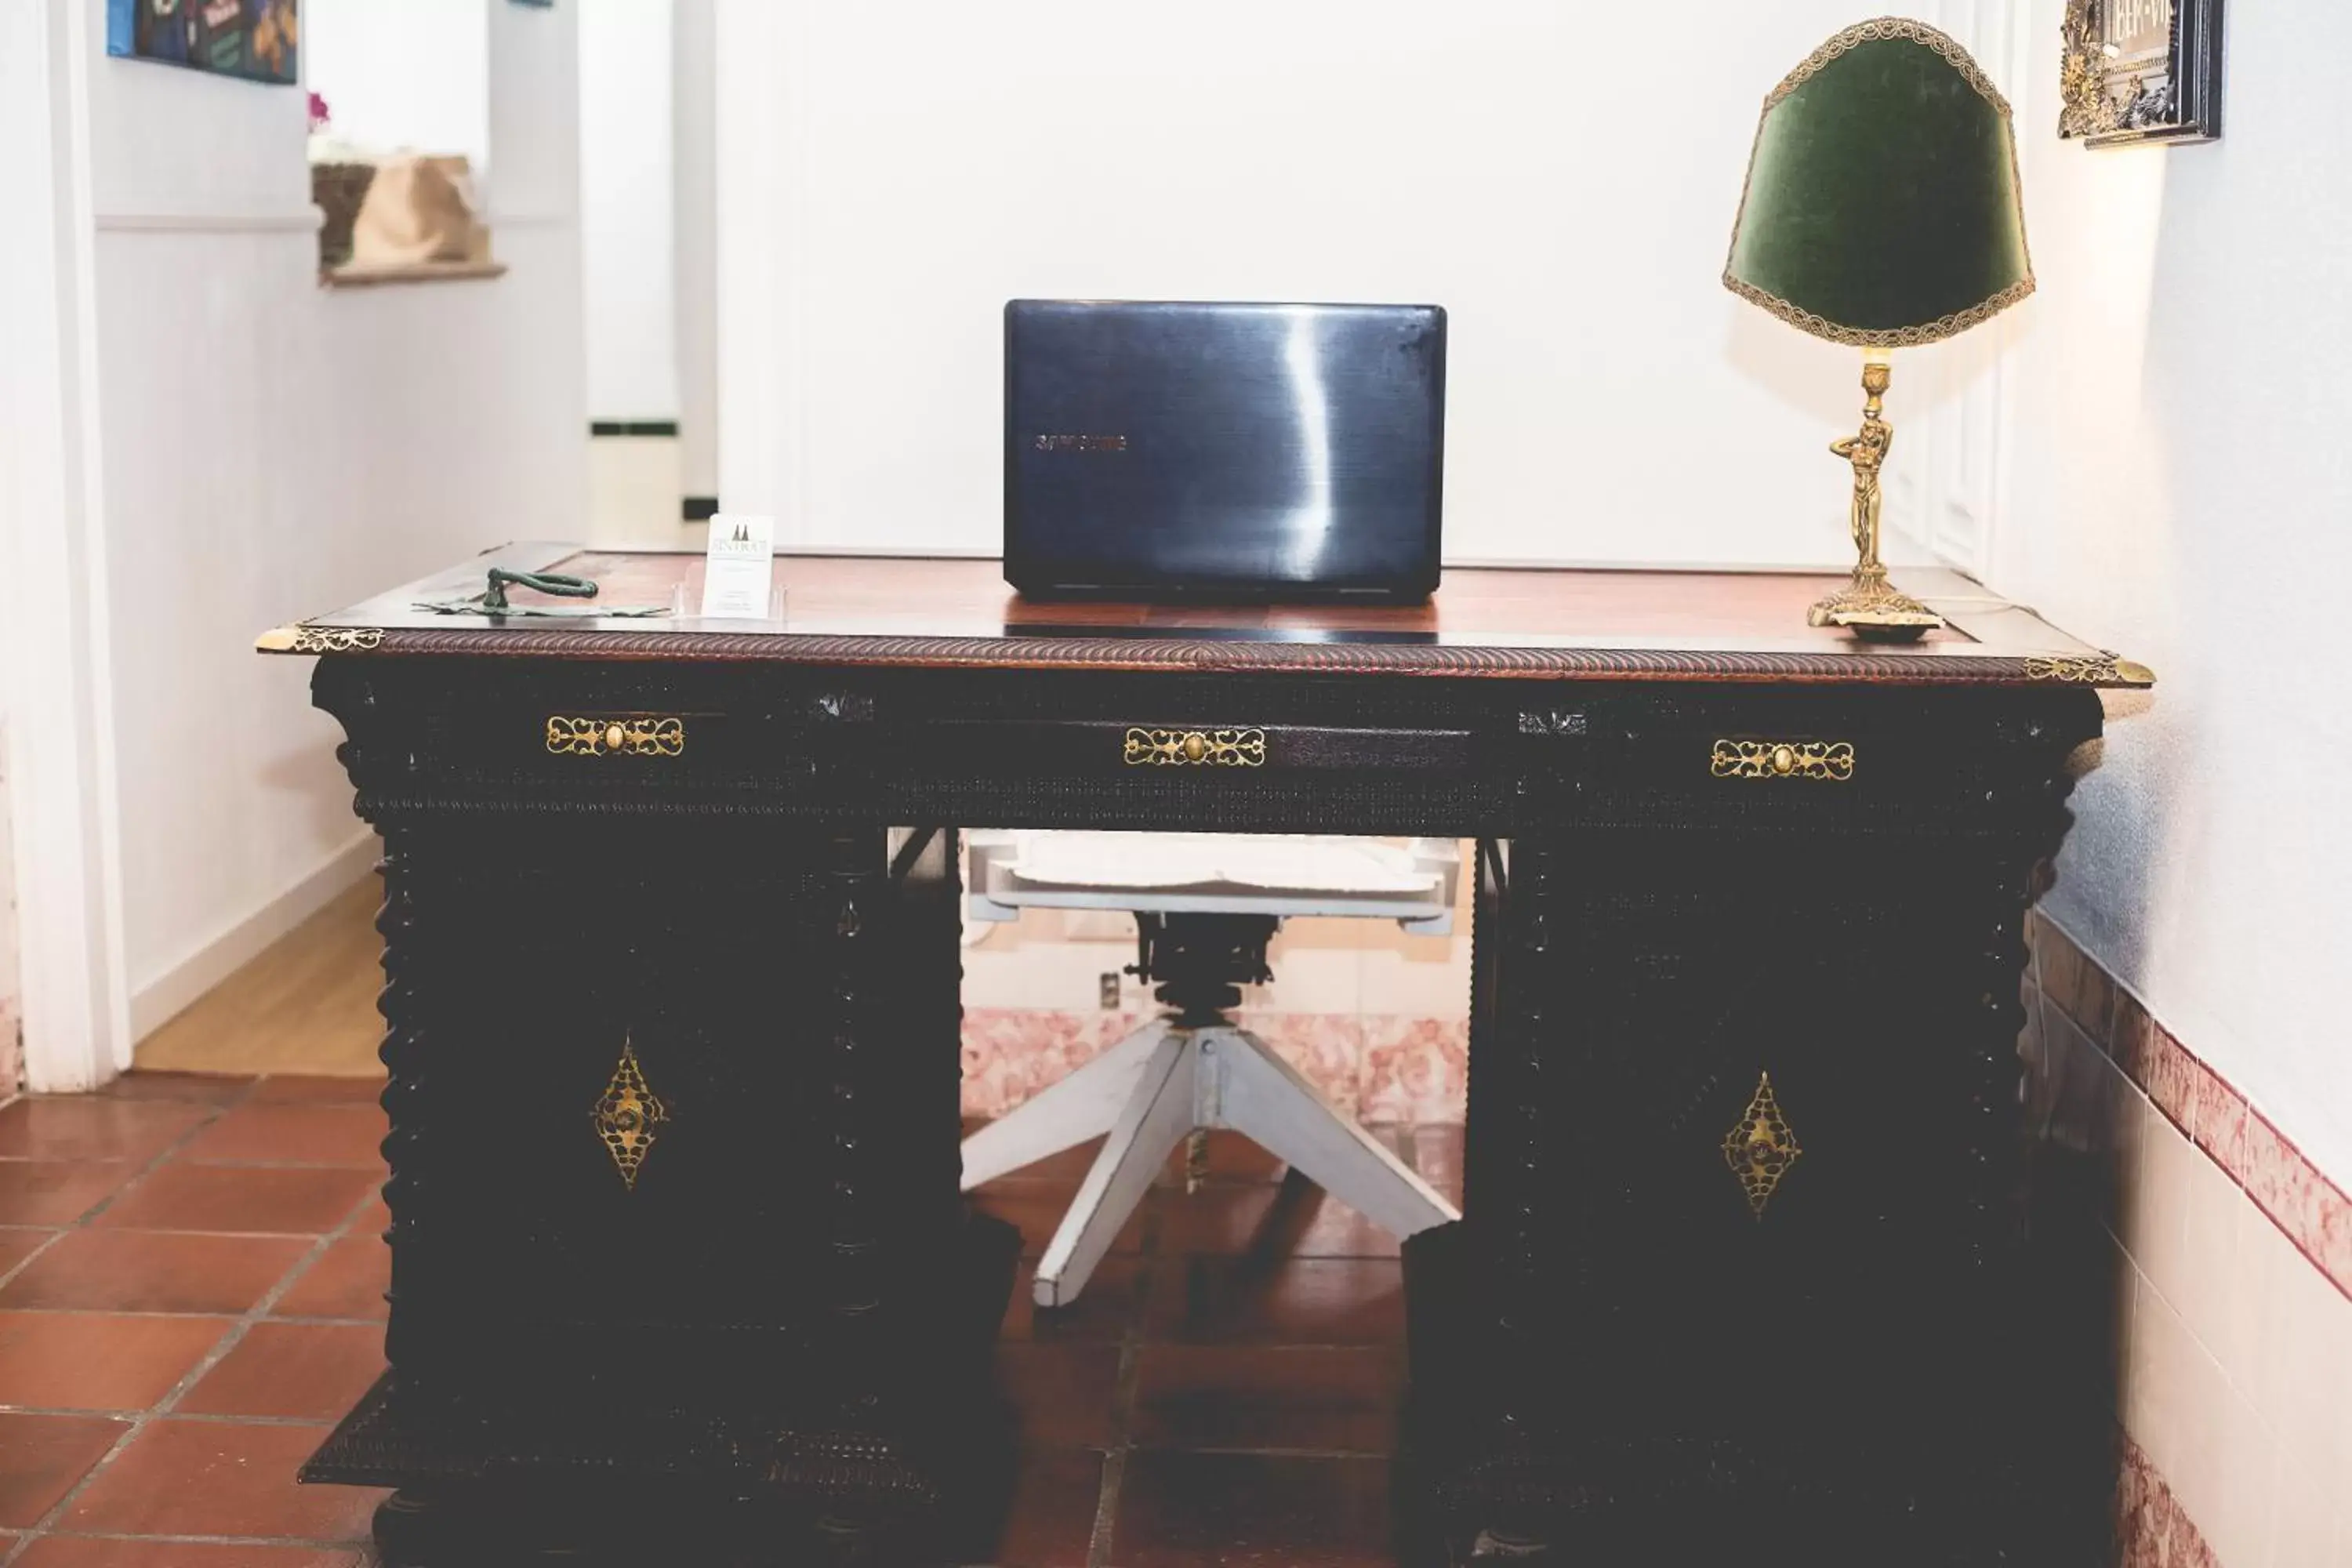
column 191, row 1288
column 160, row 1375
column 1225, row 1390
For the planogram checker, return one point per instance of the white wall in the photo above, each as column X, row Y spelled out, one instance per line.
column 11, row 1002
column 2181, row 489
column 412, row 77
column 272, row 450
column 695, row 146
column 1563, row 179
column 626, row 208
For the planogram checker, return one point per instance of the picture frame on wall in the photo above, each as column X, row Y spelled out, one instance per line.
column 256, row 39
column 2139, row 72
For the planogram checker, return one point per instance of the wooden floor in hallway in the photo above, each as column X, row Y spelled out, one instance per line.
column 305, row 1004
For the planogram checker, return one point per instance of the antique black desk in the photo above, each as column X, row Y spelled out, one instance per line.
column 671, row 975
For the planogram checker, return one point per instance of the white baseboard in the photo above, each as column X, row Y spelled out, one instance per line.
column 155, row 1004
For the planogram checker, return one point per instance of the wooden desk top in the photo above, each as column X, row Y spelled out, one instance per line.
column 921, row 612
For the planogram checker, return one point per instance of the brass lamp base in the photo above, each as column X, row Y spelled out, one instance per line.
column 1873, row 609
column 1868, row 606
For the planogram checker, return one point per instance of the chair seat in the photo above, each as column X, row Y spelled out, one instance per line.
column 1282, row 874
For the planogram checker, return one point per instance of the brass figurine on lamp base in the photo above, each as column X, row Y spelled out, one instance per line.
column 1868, row 606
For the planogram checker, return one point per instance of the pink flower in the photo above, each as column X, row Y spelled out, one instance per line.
column 319, row 116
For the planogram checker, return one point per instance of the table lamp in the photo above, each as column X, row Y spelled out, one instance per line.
column 1882, row 211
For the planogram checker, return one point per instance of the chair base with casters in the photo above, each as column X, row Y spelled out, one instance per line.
column 1189, row 1070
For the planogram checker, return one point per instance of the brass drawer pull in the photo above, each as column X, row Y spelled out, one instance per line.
column 613, row 737
column 1195, row 749
column 1832, row 760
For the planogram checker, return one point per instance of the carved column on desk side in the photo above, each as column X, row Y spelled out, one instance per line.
column 2053, row 1470
column 349, row 696
column 929, row 902
column 1995, row 1072
column 891, row 967
column 850, row 923
column 2036, row 804
column 403, row 1054
column 1530, row 1209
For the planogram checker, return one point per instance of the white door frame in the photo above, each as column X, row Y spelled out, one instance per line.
column 694, row 152
column 56, row 676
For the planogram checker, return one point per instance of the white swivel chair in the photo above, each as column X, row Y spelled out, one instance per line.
column 1205, row 905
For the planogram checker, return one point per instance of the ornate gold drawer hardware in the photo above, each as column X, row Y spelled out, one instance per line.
column 1195, row 747
column 1760, row 1150
column 2104, row 668
column 1832, row 760
column 613, row 737
column 626, row 1114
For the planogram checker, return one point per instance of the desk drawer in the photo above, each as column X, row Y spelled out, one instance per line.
column 1173, row 747
column 578, row 733
column 1773, row 755
column 596, row 746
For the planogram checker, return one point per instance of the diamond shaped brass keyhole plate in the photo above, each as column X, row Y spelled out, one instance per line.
column 1761, row 1148
column 627, row 1115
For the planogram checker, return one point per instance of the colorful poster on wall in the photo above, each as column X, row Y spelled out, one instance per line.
column 251, row 39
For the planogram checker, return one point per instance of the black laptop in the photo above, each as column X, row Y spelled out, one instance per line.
column 1222, row 451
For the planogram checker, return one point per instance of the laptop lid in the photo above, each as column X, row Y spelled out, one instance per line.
column 1255, row 451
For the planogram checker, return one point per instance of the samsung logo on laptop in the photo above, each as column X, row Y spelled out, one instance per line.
column 1081, row 443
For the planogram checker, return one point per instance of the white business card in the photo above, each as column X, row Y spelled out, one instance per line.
column 739, row 576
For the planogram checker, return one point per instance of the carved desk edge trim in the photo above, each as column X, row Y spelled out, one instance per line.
column 1174, row 653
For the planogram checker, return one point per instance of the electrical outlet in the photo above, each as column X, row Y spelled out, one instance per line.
column 1111, row 997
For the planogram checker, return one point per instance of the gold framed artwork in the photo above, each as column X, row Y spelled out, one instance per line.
column 2138, row 72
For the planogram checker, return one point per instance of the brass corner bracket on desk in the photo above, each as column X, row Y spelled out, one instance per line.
column 317, row 639
column 1195, row 747
column 1830, row 760
column 2100, row 669
column 616, row 737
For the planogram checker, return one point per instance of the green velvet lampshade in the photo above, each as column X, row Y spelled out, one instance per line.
column 1882, row 204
